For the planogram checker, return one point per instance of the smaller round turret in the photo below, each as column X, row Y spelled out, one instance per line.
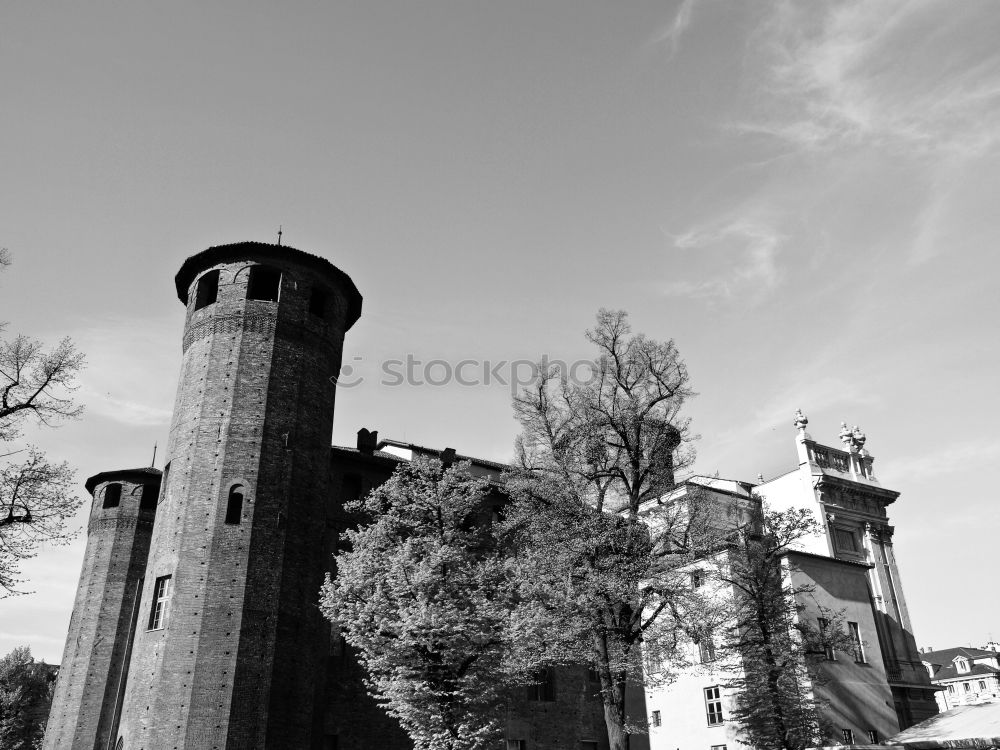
column 95, row 661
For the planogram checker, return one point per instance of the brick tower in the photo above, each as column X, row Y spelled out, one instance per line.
column 91, row 678
column 230, row 648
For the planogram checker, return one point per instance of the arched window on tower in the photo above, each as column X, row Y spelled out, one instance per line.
column 148, row 499
column 234, row 506
column 112, row 495
column 208, row 290
column 264, row 283
column 317, row 302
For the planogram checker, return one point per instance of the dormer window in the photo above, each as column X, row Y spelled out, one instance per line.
column 962, row 665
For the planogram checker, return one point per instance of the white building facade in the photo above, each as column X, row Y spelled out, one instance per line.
column 881, row 686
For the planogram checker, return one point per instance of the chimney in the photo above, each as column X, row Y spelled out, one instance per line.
column 367, row 440
column 447, row 457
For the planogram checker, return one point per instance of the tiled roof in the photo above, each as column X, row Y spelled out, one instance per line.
column 944, row 661
column 125, row 474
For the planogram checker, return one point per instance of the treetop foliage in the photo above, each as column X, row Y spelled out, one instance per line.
column 420, row 592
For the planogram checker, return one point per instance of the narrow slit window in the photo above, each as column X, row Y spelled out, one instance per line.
column 208, row 290
column 264, row 283
column 234, row 506
column 161, row 603
column 112, row 495
column 317, row 302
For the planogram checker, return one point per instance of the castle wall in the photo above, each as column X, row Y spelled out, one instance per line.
column 86, row 699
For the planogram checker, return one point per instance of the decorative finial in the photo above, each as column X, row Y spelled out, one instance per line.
column 801, row 420
column 279, row 235
column 760, row 478
column 845, row 435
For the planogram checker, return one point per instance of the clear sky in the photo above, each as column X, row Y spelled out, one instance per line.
column 803, row 195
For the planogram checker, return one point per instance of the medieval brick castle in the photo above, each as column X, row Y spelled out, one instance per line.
column 195, row 625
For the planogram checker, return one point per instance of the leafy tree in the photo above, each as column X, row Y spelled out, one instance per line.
column 596, row 553
column 773, row 652
column 36, row 499
column 420, row 593
column 25, row 698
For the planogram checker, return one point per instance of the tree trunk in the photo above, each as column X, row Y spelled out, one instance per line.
column 612, row 696
column 617, row 736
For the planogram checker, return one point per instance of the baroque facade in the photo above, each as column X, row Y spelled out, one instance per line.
column 196, row 625
column 870, row 693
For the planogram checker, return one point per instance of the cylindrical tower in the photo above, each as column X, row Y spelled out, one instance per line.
column 92, row 674
column 231, row 648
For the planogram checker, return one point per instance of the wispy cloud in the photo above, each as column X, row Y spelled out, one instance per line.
column 670, row 35
column 748, row 264
column 911, row 76
column 130, row 375
column 971, row 455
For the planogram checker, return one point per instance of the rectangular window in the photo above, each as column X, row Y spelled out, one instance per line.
column 544, row 686
column 264, row 283
column 872, row 737
column 713, row 705
column 846, row 541
column 824, row 626
column 951, row 689
column 697, row 579
column 982, row 684
column 967, row 686
column 516, row 745
column 848, row 736
column 706, row 649
column 161, row 602
column 317, row 303
column 112, row 496
column 207, row 291
column 148, row 499
column 857, row 646
column 654, row 662
column 656, row 718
